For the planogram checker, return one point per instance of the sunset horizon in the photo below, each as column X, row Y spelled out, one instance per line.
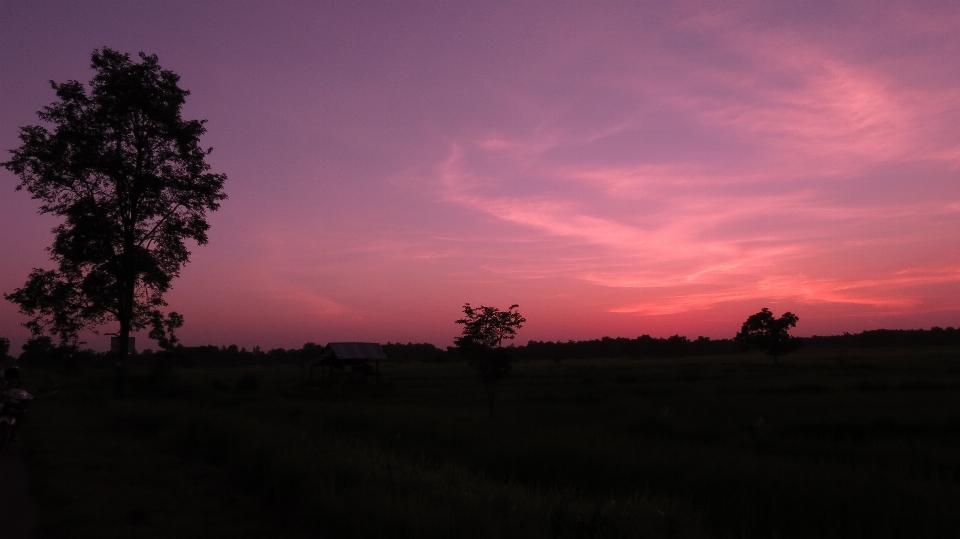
column 617, row 171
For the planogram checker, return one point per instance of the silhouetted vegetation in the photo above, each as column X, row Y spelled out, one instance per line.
column 484, row 329
column 646, row 346
column 42, row 350
column 422, row 352
column 769, row 334
column 886, row 338
column 621, row 347
column 126, row 175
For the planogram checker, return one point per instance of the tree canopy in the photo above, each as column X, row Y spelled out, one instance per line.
column 484, row 329
column 769, row 334
column 487, row 327
column 129, row 178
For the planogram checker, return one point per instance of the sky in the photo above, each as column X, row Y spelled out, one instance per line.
column 615, row 168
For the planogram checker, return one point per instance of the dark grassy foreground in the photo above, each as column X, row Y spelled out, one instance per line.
column 821, row 445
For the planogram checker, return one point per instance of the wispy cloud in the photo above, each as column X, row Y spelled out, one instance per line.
column 744, row 223
column 893, row 294
column 638, row 160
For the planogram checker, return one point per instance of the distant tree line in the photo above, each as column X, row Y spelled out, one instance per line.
column 880, row 338
column 642, row 346
column 417, row 352
column 212, row 356
column 678, row 345
column 42, row 350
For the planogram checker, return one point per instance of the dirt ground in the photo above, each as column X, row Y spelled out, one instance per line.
column 18, row 512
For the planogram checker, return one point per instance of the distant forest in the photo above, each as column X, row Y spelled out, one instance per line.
column 678, row 345
column 42, row 350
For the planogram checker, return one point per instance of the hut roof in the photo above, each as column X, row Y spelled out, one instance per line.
column 354, row 351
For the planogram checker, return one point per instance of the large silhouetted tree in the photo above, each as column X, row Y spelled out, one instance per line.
column 128, row 177
column 769, row 334
column 484, row 329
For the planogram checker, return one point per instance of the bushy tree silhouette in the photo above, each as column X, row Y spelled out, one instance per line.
column 484, row 329
column 129, row 178
column 769, row 334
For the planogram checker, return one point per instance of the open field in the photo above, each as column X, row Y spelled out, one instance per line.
column 827, row 444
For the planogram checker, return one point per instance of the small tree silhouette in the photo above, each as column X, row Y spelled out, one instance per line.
column 769, row 334
column 484, row 329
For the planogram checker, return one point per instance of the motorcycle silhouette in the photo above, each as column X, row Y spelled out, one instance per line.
column 12, row 409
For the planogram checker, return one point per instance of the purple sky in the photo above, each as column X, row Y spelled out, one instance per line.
column 614, row 168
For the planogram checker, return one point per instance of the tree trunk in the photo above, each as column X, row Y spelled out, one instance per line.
column 123, row 348
column 127, row 290
column 128, row 285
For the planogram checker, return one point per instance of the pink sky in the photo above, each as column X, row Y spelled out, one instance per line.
column 616, row 169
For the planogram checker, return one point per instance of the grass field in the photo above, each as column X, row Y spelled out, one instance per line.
column 834, row 444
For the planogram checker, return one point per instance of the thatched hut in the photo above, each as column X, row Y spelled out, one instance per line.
column 357, row 359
